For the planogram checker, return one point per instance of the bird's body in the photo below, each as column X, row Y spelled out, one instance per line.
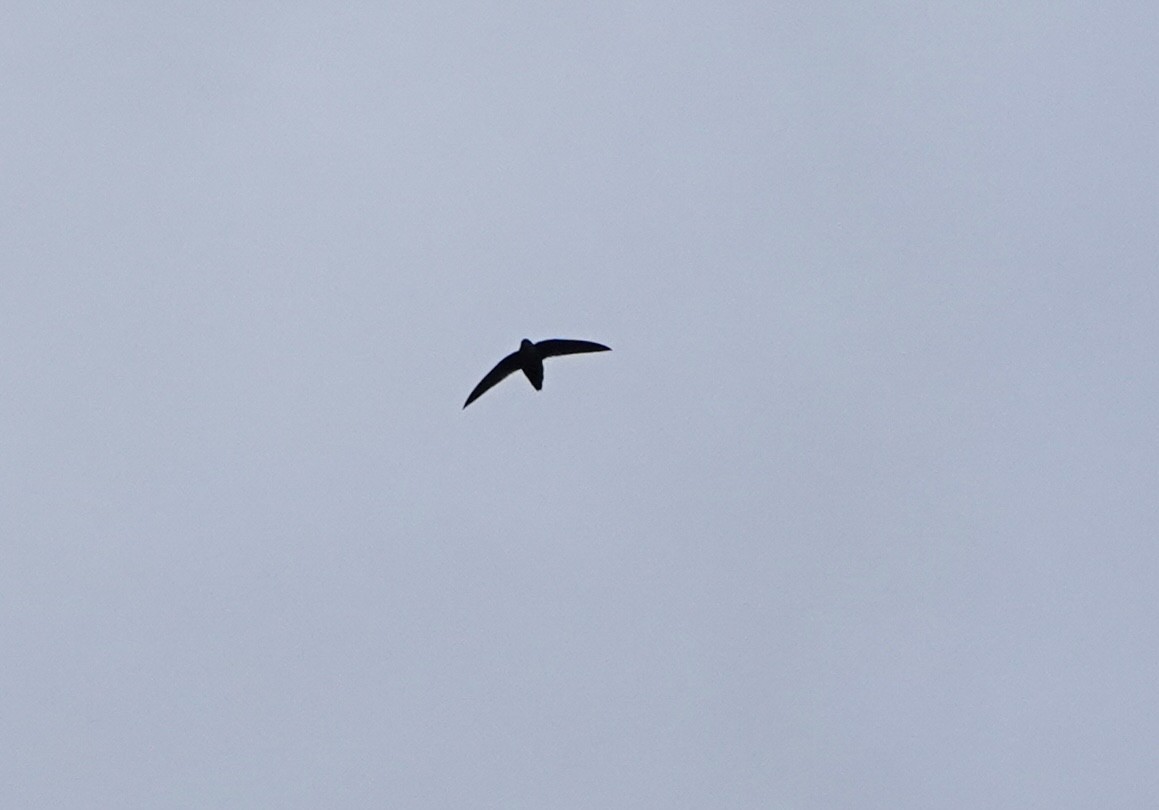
column 531, row 363
column 529, row 359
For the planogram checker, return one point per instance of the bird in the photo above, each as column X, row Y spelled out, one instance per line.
column 529, row 359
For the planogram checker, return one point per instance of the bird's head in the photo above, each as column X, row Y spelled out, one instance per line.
column 525, row 344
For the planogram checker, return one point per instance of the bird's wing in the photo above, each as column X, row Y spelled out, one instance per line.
column 506, row 366
column 553, row 348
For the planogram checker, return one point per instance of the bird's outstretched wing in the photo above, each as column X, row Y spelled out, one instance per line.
column 506, row 366
column 553, row 348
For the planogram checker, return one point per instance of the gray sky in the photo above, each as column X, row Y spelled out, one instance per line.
column 859, row 513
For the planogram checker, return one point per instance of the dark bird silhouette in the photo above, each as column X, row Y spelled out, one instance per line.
column 529, row 360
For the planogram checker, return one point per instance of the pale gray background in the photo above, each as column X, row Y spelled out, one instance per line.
column 860, row 513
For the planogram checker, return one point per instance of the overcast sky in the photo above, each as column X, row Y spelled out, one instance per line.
column 861, row 511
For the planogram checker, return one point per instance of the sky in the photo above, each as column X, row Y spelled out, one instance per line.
column 859, row 512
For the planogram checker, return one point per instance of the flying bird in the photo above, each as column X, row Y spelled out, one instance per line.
column 529, row 360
